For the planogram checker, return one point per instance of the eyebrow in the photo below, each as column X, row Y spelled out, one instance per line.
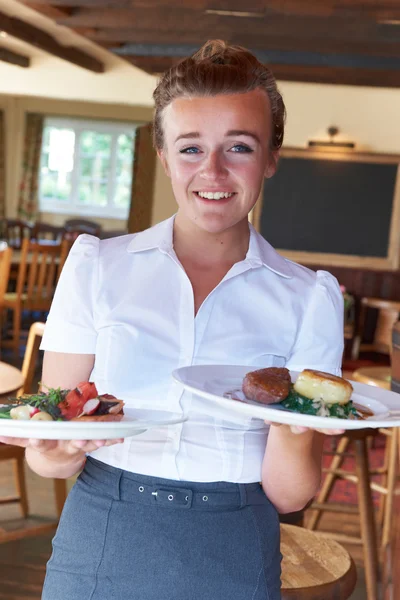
column 230, row 133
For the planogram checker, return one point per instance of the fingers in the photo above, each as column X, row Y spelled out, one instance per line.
column 42, row 445
column 91, row 445
column 331, row 431
column 298, row 430
column 13, row 441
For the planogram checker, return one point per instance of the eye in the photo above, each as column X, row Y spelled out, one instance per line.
column 189, row 150
column 241, row 148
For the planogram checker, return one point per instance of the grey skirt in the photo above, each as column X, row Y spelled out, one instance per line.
column 124, row 536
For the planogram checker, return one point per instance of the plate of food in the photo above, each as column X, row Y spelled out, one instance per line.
column 310, row 398
column 80, row 413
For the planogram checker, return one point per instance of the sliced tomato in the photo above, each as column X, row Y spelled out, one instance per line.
column 88, row 389
column 76, row 399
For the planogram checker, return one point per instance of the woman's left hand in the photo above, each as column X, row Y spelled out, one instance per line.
column 298, row 429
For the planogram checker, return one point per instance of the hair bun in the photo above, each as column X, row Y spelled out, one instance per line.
column 211, row 49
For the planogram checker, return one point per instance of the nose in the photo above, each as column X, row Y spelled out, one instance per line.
column 213, row 167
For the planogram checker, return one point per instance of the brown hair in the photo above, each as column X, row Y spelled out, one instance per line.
column 218, row 68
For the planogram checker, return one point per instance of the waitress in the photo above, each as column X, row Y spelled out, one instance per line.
column 178, row 512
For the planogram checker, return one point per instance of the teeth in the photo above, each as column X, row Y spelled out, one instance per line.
column 215, row 195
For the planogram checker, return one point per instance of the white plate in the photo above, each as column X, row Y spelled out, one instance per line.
column 213, row 381
column 134, row 422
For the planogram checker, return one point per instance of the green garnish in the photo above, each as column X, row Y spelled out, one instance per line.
column 304, row 405
column 45, row 402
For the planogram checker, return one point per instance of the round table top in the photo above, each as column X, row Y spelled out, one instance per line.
column 11, row 379
column 314, row 566
column 377, row 376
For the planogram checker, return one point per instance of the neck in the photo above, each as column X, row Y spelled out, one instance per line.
column 205, row 248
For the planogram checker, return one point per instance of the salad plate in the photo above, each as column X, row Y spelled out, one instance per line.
column 134, row 422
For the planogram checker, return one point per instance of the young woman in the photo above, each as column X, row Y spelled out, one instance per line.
column 179, row 512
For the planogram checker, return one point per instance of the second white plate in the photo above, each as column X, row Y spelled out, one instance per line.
column 213, row 382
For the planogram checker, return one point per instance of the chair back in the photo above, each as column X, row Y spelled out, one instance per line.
column 39, row 270
column 15, row 231
column 35, row 335
column 46, row 231
column 388, row 313
column 74, row 228
column 5, row 266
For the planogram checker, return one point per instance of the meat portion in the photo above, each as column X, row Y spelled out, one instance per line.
column 267, row 385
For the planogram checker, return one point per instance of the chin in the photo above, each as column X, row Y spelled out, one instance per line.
column 212, row 225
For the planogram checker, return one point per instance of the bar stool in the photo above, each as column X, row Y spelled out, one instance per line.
column 314, row 567
column 362, row 478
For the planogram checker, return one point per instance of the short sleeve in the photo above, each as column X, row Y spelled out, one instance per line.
column 319, row 344
column 70, row 325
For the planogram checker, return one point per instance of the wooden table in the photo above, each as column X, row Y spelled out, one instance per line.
column 314, row 567
column 376, row 376
column 11, row 380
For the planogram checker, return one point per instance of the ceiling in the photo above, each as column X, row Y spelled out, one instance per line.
column 354, row 42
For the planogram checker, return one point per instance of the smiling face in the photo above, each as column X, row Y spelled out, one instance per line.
column 217, row 153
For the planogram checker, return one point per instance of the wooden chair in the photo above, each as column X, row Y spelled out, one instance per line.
column 16, row 453
column 5, row 266
column 314, row 567
column 74, row 228
column 45, row 231
column 387, row 314
column 14, row 231
column 38, row 274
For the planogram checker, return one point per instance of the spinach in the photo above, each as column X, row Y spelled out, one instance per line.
column 302, row 404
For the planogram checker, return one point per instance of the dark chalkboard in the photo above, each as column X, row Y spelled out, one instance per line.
column 329, row 206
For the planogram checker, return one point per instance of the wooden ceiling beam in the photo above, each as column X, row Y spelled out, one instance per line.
column 272, row 42
column 302, row 34
column 14, row 58
column 53, row 12
column 342, row 76
column 370, row 9
column 44, row 41
column 189, row 20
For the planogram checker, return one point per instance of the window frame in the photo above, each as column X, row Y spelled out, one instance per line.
column 73, row 207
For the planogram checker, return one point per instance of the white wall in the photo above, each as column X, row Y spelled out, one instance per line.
column 368, row 116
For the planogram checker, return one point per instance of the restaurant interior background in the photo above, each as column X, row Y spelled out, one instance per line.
column 349, row 87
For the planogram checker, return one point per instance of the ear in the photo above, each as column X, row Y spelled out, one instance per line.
column 163, row 159
column 272, row 164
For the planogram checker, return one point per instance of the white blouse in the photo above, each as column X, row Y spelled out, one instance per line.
column 128, row 301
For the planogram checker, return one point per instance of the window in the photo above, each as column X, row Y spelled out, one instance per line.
column 86, row 167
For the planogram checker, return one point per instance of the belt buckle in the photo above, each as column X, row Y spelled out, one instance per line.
column 173, row 497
